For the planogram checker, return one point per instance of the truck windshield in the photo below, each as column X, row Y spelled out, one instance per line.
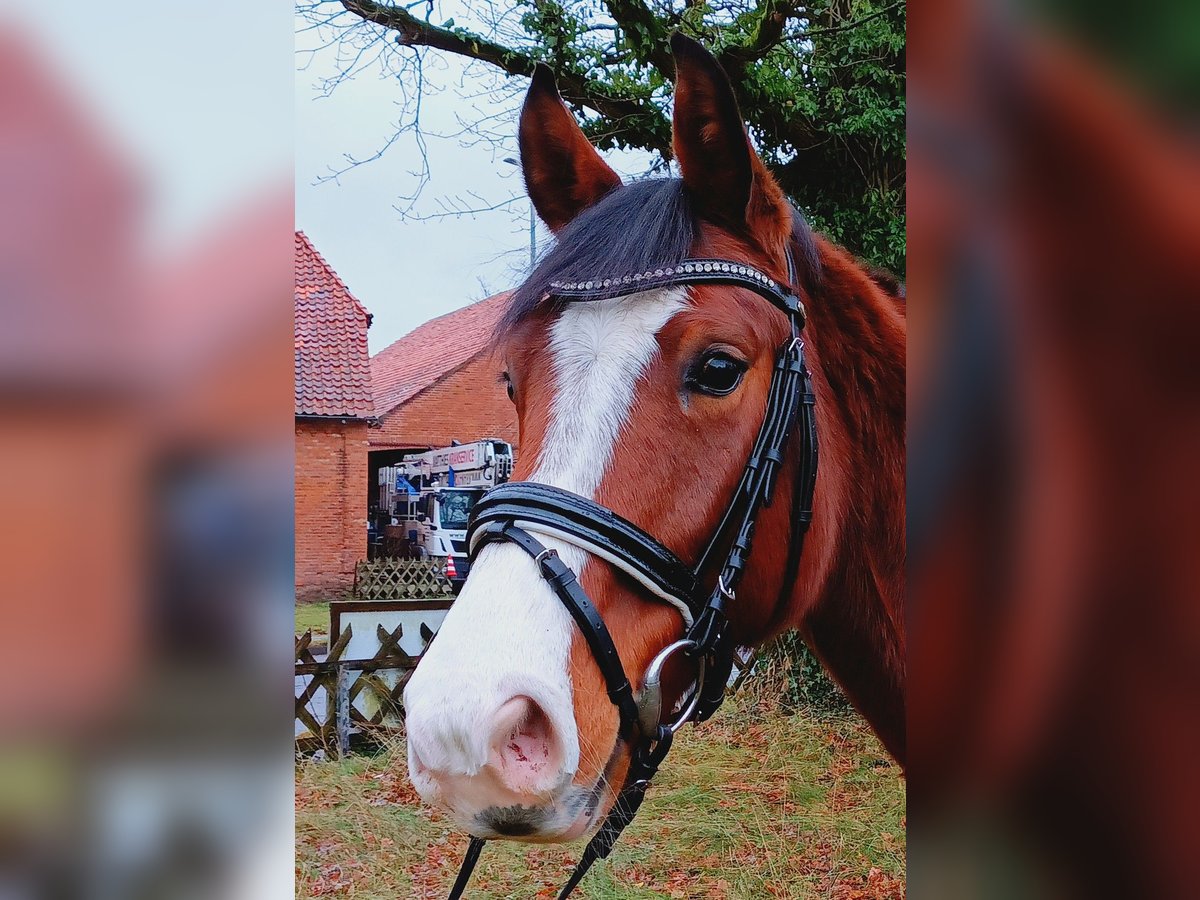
column 456, row 508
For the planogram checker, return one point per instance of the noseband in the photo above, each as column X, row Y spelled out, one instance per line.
column 515, row 512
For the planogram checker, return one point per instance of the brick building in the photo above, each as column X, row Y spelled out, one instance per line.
column 439, row 384
column 334, row 409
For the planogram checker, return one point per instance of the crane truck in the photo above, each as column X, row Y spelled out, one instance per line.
column 429, row 497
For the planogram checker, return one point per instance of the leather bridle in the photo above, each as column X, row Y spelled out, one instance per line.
column 517, row 512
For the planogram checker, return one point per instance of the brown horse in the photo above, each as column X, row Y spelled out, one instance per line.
column 1054, row 235
column 649, row 404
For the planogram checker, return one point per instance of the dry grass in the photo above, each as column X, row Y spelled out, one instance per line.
column 756, row 803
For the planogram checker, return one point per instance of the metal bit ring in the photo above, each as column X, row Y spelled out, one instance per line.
column 650, row 700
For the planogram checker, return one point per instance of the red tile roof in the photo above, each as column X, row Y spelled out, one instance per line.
column 333, row 370
column 430, row 352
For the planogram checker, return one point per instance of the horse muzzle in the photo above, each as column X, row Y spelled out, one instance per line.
column 521, row 792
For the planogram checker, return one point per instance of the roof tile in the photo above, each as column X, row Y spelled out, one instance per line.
column 430, row 352
column 333, row 371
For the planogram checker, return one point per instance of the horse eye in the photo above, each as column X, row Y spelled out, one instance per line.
column 716, row 373
column 506, row 379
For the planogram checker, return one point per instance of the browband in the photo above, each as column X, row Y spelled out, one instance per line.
column 691, row 271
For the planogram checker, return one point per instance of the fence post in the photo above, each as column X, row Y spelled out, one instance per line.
column 342, row 709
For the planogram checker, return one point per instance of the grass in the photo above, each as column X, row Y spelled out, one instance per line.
column 314, row 616
column 756, row 803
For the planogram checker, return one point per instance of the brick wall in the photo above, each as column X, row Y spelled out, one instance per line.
column 466, row 405
column 331, row 504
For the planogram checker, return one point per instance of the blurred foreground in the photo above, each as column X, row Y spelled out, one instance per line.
column 1054, row 271
column 145, row 474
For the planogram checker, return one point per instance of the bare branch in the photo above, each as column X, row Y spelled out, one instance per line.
column 854, row 24
column 453, row 207
column 636, row 122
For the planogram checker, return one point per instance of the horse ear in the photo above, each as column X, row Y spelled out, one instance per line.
column 719, row 166
column 564, row 174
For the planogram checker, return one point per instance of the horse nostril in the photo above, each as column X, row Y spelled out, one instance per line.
column 524, row 748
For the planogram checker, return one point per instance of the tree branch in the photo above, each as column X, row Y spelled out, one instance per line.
column 773, row 18
column 638, row 123
column 852, row 24
column 645, row 34
column 411, row 31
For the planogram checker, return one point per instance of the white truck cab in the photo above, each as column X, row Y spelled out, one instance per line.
column 430, row 496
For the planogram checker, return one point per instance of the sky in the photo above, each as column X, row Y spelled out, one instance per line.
column 407, row 272
column 404, row 272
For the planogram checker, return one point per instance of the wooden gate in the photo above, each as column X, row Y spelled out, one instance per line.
column 342, row 681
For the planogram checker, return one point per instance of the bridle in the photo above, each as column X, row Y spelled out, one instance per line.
column 515, row 512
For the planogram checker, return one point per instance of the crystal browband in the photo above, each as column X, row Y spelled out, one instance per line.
column 693, row 271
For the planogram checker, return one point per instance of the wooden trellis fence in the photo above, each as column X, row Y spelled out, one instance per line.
column 395, row 578
column 343, row 680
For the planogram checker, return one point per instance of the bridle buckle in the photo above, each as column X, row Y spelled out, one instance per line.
column 728, row 593
column 543, row 556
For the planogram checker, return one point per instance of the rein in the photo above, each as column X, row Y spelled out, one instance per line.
column 516, row 512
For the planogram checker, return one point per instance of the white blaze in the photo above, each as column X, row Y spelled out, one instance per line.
column 507, row 634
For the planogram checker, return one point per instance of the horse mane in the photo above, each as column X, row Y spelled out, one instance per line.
column 887, row 281
column 642, row 226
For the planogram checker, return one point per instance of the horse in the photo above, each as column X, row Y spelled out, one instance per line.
column 638, row 407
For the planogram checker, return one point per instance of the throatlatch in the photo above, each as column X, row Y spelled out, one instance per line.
column 519, row 511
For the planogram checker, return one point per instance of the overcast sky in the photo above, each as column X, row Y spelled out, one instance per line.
column 407, row 272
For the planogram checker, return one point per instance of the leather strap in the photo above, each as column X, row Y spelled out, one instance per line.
column 568, row 590
column 643, row 765
column 756, row 490
column 474, row 848
column 804, row 488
